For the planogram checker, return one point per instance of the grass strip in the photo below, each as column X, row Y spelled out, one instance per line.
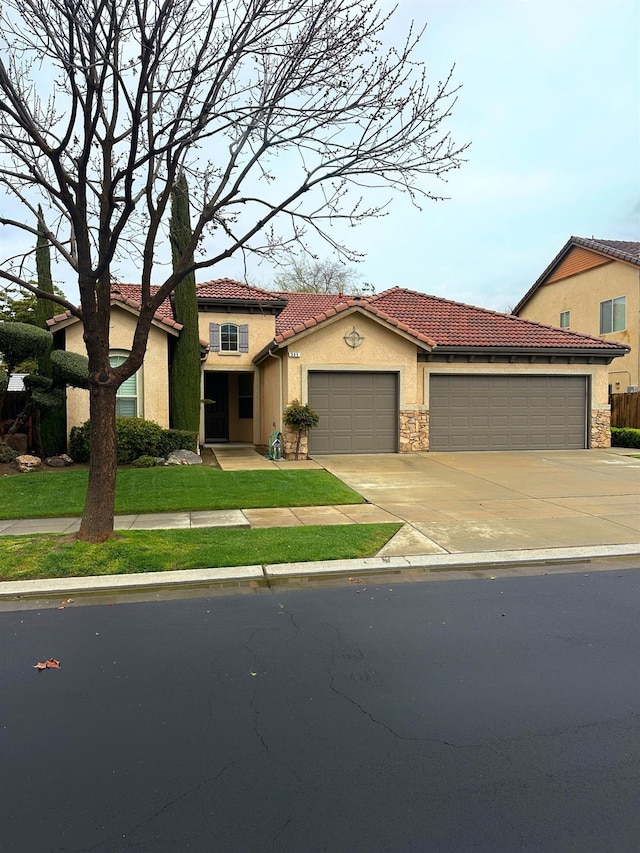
column 57, row 556
column 62, row 493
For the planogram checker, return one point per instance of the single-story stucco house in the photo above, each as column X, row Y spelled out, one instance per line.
column 396, row 371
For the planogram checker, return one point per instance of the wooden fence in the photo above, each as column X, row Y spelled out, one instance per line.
column 625, row 410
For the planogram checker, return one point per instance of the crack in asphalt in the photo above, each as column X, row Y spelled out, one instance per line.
column 279, row 833
column 412, row 738
column 178, row 798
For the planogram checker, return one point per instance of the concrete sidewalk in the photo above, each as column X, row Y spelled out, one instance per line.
column 457, row 510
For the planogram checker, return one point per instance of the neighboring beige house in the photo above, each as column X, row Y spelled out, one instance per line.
column 593, row 286
column 398, row 371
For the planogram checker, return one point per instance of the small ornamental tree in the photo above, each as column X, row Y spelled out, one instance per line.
column 22, row 341
column 300, row 418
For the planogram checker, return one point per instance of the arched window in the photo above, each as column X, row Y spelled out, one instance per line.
column 128, row 394
column 229, row 337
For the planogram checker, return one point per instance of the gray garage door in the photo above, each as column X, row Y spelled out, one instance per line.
column 358, row 412
column 507, row 412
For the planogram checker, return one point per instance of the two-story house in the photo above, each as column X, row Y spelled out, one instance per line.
column 593, row 286
column 397, row 371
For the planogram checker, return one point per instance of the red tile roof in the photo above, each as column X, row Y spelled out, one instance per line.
column 454, row 324
column 227, row 288
column 333, row 304
column 432, row 320
column 130, row 295
column 303, row 306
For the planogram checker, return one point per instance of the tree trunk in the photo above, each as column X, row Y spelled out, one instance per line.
column 97, row 520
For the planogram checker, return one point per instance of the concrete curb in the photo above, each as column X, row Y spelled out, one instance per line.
column 443, row 562
column 283, row 571
column 148, row 580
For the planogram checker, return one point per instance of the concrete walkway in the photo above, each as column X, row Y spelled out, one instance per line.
column 457, row 510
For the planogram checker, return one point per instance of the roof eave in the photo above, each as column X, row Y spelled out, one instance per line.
column 591, row 352
column 242, row 303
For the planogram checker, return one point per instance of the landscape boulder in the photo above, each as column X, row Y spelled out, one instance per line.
column 18, row 440
column 183, row 457
column 59, row 461
column 26, row 463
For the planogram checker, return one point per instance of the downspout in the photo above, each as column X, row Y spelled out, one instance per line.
column 278, row 425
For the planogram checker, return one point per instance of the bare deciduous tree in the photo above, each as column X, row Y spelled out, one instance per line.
column 324, row 275
column 103, row 102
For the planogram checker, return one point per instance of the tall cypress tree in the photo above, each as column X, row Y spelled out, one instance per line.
column 45, row 309
column 50, row 422
column 184, row 389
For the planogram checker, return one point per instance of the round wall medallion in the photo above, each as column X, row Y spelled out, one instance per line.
column 353, row 338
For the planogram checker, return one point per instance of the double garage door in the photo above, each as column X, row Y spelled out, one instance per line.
column 359, row 412
column 508, row 412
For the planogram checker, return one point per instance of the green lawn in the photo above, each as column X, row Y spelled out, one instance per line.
column 29, row 557
column 51, row 494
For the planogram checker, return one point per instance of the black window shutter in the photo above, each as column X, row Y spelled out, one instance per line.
column 243, row 337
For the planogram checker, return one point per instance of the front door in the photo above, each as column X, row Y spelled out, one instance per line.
column 216, row 410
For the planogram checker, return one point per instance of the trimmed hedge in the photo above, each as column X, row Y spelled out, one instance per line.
column 135, row 437
column 177, row 439
column 625, row 437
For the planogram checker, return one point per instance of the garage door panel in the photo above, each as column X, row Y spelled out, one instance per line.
column 358, row 412
column 507, row 412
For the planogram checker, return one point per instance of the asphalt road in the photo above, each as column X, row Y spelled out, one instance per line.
column 475, row 715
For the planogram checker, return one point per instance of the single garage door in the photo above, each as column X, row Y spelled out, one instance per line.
column 358, row 412
column 507, row 412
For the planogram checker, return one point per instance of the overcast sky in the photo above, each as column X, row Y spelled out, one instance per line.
column 550, row 102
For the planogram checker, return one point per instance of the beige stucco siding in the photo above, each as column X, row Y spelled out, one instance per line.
column 581, row 294
column 325, row 349
column 261, row 331
column 153, row 375
column 271, row 405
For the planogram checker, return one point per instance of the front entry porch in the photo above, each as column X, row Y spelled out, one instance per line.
column 228, row 406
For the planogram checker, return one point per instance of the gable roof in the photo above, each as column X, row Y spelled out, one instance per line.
column 128, row 296
column 433, row 322
column 616, row 250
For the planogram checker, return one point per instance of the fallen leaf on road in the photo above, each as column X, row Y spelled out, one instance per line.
column 52, row 663
column 64, row 603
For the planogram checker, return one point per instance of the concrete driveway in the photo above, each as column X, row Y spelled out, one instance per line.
column 461, row 502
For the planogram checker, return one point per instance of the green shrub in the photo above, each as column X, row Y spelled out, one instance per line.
column 135, row 437
column 177, row 439
column 7, row 454
column 20, row 341
column 625, row 437
column 147, row 461
column 70, row 368
column 79, row 443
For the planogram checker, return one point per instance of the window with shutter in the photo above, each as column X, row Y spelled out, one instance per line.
column 229, row 337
